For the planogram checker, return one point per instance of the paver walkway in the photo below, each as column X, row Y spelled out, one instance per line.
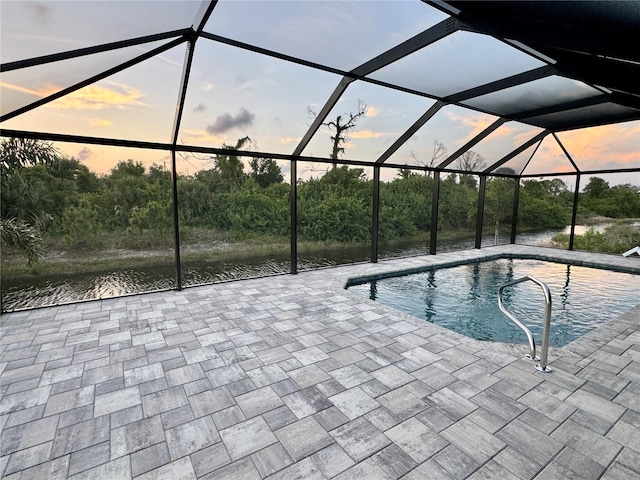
column 294, row 377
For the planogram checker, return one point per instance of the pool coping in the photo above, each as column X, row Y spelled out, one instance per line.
column 631, row 269
column 580, row 347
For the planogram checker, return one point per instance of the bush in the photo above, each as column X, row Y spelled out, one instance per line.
column 616, row 239
column 340, row 219
column 81, row 228
column 153, row 216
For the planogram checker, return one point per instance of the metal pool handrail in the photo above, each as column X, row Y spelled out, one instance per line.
column 542, row 366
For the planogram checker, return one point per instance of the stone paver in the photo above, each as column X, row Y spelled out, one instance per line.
column 294, row 377
column 247, row 437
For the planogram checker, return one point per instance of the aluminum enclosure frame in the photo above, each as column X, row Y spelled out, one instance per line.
column 477, row 17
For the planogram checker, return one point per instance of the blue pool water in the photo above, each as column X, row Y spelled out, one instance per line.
column 465, row 298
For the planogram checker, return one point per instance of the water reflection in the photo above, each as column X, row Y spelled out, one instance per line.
column 373, row 290
column 439, row 297
column 65, row 288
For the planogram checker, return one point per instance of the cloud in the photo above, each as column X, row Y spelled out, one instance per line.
column 84, row 154
column 47, row 90
column 366, row 134
column 201, row 107
column 607, row 146
column 207, row 86
column 371, row 111
column 476, row 123
column 93, row 97
column 96, row 97
column 290, row 140
column 226, row 122
column 604, row 147
column 100, row 122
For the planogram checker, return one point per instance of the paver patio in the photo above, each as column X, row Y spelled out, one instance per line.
column 294, row 377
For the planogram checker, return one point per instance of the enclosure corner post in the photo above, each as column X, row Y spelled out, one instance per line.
column 375, row 214
column 482, row 188
column 435, row 204
column 514, row 212
column 176, row 225
column 574, row 212
column 293, row 207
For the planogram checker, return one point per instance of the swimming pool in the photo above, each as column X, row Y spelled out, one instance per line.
column 465, row 298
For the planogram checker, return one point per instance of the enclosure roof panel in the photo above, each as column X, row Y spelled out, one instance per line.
column 32, row 29
column 554, row 66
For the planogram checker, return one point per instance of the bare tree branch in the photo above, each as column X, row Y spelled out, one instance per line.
column 342, row 125
column 439, row 151
column 471, row 161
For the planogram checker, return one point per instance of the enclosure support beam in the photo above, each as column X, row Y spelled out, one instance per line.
column 322, row 114
column 514, row 213
column 203, row 14
column 93, row 79
column 435, row 205
column 184, row 81
column 375, row 214
column 482, row 189
column 567, row 154
column 411, row 131
column 471, row 143
column 201, row 18
column 437, row 32
column 176, row 224
column 574, row 212
column 560, row 107
column 293, row 207
column 508, row 82
column 80, row 52
column 517, row 151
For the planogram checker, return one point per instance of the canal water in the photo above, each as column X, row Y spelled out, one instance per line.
column 59, row 289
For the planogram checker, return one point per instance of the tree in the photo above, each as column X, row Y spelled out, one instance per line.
column 499, row 202
column 457, row 202
column 265, row 171
column 22, row 195
column 342, row 125
column 617, row 202
column 540, row 208
column 229, row 167
column 405, row 173
column 127, row 168
column 23, row 237
column 470, row 161
column 17, row 153
column 438, row 152
column 158, row 174
column 81, row 227
column 596, row 188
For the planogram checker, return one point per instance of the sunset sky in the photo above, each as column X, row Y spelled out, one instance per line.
column 233, row 93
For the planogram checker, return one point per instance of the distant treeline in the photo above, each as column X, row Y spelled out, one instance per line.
column 60, row 200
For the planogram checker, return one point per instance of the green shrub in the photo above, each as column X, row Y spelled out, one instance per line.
column 616, row 239
column 81, row 227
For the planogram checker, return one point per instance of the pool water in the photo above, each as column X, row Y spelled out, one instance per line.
column 465, row 298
